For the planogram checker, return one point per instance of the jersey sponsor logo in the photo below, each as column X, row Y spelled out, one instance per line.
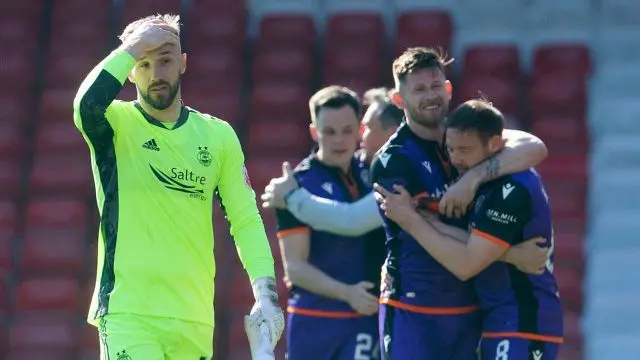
column 537, row 355
column 427, row 165
column 384, row 159
column 501, row 217
column 181, row 180
column 204, row 156
column 122, row 355
column 506, row 190
column 151, row 145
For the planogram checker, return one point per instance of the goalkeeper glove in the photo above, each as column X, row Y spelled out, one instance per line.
column 266, row 318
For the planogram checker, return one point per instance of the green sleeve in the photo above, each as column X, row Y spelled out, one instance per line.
column 239, row 202
column 97, row 92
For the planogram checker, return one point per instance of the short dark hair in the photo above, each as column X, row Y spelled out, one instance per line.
column 418, row 58
column 477, row 115
column 390, row 115
column 333, row 97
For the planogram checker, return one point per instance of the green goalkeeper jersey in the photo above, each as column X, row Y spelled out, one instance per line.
column 154, row 188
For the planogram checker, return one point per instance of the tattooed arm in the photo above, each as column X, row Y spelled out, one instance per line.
column 521, row 151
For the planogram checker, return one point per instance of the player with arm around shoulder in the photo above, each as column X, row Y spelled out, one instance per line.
column 332, row 278
column 522, row 313
column 156, row 165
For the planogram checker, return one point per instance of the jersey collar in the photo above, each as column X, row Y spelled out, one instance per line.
column 184, row 115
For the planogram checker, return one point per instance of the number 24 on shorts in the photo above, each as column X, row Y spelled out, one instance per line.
column 365, row 348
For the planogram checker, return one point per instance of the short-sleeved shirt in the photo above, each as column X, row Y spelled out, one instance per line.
column 419, row 283
column 155, row 189
column 346, row 259
column 508, row 211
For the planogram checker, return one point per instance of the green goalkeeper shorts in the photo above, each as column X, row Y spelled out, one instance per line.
column 133, row 337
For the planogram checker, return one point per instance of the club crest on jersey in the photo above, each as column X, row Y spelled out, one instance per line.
column 204, row 156
column 123, row 355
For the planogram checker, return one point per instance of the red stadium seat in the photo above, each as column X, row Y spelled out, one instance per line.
column 423, row 28
column 567, row 198
column 558, row 94
column 136, row 9
column 569, row 250
column 279, row 137
column 56, row 175
column 70, row 70
column 562, row 132
column 241, row 294
column 224, row 104
column 59, row 137
column 564, row 167
column 357, row 83
column 16, row 68
column 280, row 99
column 220, row 27
column 47, row 354
column 53, row 250
column 89, row 33
column 8, row 217
column 501, row 91
column 31, row 8
column 282, row 63
column 12, row 141
column 348, row 59
column 39, row 335
column 572, row 327
column 291, row 30
column 566, row 59
column 6, row 255
column 492, row 60
column 58, row 213
column 47, row 294
column 570, row 285
column 20, row 29
column 213, row 64
column 89, row 342
column 355, row 27
column 57, row 104
column 10, row 179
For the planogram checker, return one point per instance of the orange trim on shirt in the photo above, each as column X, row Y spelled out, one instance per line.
column 521, row 335
column 324, row 313
column 429, row 310
column 491, row 238
column 294, row 231
column 423, row 194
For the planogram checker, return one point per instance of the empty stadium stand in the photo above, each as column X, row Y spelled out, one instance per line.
column 565, row 70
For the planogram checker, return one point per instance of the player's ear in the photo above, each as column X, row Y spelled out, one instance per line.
column 449, row 87
column 396, row 98
column 496, row 143
column 313, row 130
column 183, row 68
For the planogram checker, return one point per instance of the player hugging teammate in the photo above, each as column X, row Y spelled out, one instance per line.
column 430, row 310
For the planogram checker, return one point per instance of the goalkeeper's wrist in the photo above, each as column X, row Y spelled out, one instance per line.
column 265, row 287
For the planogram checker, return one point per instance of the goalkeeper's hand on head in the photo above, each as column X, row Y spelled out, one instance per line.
column 266, row 312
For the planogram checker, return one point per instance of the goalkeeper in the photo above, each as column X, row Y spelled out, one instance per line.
column 156, row 166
